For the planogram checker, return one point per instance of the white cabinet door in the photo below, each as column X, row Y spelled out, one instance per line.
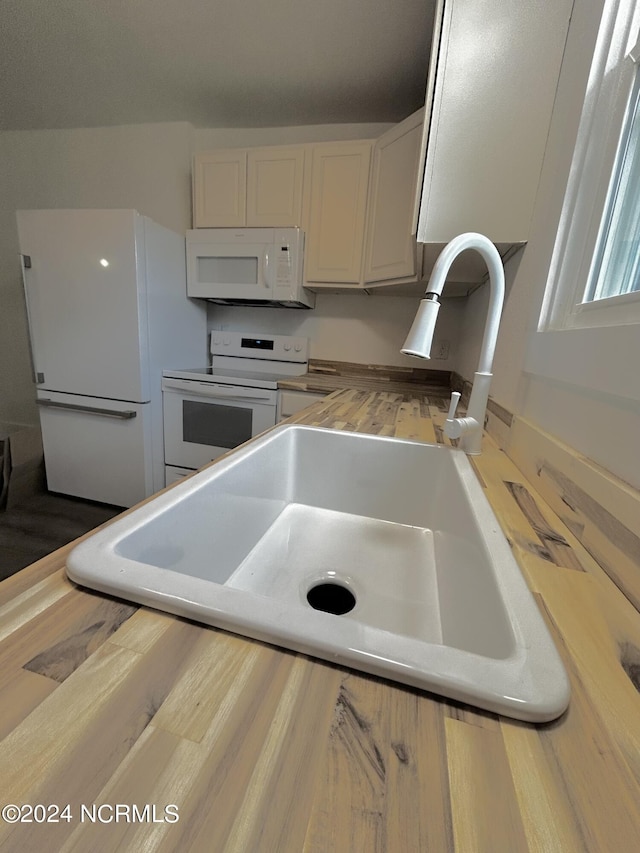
column 96, row 449
column 255, row 187
column 274, row 186
column 291, row 402
column 339, row 186
column 492, row 91
column 390, row 251
column 220, row 189
column 86, row 300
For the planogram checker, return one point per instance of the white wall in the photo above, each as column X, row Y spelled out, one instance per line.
column 603, row 427
column 148, row 168
column 349, row 327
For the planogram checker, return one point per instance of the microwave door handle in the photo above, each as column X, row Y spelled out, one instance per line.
column 265, row 268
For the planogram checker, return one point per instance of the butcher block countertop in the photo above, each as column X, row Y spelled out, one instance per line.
column 227, row 744
column 324, row 376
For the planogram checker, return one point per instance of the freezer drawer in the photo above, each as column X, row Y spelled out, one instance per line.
column 96, row 449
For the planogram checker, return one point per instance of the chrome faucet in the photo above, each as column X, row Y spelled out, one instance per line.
column 420, row 337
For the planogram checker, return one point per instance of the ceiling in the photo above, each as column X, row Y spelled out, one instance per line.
column 214, row 63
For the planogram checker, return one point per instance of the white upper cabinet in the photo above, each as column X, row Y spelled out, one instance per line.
column 239, row 187
column 490, row 93
column 390, row 251
column 337, row 209
column 469, row 161
column 274, row 186
column 220, row 189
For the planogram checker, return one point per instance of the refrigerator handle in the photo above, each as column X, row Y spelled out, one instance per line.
column 89, row 410
column 26, row 265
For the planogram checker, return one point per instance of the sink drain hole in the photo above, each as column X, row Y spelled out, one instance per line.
column 331, row 598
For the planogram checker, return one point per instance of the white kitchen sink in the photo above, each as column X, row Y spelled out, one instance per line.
column 305, row 518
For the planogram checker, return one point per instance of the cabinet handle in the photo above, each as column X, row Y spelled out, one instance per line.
column 89, row 410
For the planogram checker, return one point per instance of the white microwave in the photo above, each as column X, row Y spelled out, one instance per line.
column 247, row 266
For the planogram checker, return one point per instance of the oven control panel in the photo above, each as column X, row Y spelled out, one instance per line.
column 257, row 346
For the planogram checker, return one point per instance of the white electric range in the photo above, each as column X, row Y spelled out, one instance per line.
column 209, row 410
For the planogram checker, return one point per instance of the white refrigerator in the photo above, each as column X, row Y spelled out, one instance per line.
column 107, row 307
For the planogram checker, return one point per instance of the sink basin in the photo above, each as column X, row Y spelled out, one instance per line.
column 378, row 553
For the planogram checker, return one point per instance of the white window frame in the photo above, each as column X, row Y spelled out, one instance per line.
column 595, row 345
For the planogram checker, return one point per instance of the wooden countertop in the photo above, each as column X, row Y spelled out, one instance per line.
column 323, row 377
column 103, row 703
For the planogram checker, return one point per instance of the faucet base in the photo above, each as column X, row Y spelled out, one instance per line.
column 471, row 438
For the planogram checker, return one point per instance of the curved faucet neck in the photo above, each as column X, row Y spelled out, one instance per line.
column 492, row 259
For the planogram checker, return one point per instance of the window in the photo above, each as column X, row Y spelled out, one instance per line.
column 589, row 326
column 596, row 263
column 616, row 266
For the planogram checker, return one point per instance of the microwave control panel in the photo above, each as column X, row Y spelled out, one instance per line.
column 284, row 266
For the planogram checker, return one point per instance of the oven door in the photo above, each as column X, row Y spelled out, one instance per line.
column 203, row 420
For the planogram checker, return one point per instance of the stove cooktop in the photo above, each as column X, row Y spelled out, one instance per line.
column 250, row 361
column 246, row 378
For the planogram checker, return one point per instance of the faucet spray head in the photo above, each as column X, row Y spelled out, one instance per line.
column 420, row 337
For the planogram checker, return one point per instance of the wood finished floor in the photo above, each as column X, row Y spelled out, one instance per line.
column 43, row 522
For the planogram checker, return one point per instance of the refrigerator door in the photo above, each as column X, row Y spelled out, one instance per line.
column 96, row 449
column 86, row 301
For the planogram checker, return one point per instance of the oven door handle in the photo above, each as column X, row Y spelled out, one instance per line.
column 212, row 390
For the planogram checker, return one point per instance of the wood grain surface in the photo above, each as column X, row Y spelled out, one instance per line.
column 327, row 376
column 602, row 511
column 261, row 749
